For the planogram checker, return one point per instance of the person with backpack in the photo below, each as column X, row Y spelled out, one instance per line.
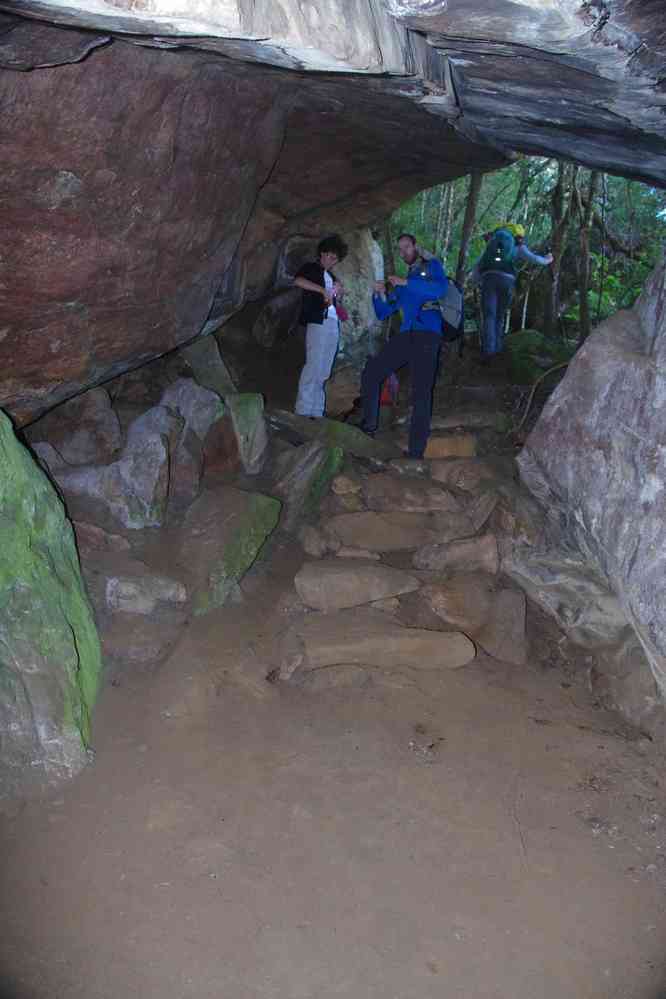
column 321, row 317
column 495, row 271
column 417, row 344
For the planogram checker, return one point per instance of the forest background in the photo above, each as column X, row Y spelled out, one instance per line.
column 606, row 234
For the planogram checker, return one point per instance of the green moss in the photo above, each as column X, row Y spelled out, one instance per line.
column 530, row 353
column 251, row 529
column 247, row 409
column 328, row 469
column 47, row 632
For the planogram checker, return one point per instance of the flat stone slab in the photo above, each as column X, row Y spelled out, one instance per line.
column 474, row 419
column 331, row 585
column 383, row 532
column 332, row 432
column 386, row 492
column 451, row 446
column 473, row 555
column 462, row 473
column 366, row 637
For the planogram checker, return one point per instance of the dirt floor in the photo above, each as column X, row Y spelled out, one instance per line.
column 489, row 833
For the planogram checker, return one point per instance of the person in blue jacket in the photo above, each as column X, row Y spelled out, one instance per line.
column 417, row 344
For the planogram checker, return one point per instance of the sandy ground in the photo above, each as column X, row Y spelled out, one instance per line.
column 488, row 833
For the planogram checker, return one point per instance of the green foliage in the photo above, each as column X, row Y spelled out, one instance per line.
column 531, row 353
column 626, row 236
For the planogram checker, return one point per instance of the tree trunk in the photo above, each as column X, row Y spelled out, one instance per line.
column 444, row 199
column 584, row 259
column 389, row 257
column 561, row 208
column 448, row 224
column 475, row 183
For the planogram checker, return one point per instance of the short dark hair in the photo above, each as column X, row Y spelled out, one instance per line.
column 333, row 244
column 407, row 235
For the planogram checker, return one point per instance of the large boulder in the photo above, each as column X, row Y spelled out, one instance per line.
column 247, row 418
column 203, row 358
column 596, row 461
column 304, row 477
column 49, row 650
column 132, row 491
column 84, row 431
column 221, row 536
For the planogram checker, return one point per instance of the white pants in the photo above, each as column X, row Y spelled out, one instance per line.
column 321, row 345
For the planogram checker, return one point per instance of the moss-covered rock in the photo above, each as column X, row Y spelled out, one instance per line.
column 304, row 478
column 50, row 659
column 247, row 416
column 221, row 537
column 335, row 433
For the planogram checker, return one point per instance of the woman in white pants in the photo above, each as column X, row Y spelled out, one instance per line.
column 321, row 291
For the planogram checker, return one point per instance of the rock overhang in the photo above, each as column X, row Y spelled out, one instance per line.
column 583, row 80
column 142, row 217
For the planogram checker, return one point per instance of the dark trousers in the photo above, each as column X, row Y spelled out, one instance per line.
column 496, row 292
column 420, row 350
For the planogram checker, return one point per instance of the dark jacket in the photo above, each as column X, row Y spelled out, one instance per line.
column 314, row 307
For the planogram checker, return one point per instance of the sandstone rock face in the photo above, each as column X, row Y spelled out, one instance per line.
column 49, row 650
column 162, row 224
column 363, row 265
column 509, row 68
column 597, row 461
column 330, row 586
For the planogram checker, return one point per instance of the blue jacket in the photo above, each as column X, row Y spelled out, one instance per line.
column 426, row 281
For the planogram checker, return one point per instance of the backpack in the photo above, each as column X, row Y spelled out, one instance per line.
column 500, row 253
column 451, row 307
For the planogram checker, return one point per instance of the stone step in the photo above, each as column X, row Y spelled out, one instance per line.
column 366, row 637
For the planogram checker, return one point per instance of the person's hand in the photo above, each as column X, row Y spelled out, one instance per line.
column 328, row 294
column 380, row 288
column 397, row 282
column 549, row 258
column 338, row 289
